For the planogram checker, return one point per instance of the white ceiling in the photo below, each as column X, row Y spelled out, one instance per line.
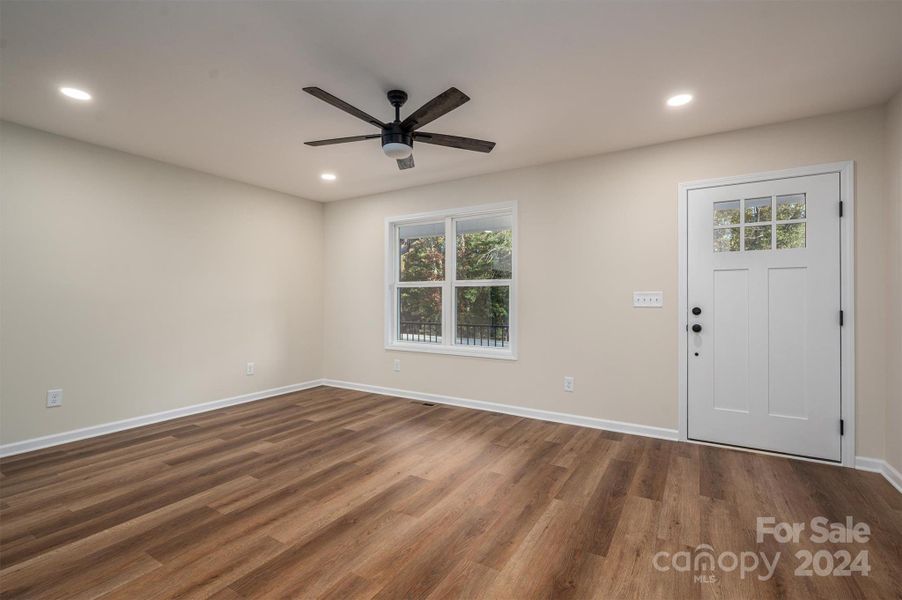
column 216, row 86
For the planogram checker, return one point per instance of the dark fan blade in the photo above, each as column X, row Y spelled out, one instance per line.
column 432, row 110
column 464, row 143
column 339, row 103
column 344, row 140
column 405, row 163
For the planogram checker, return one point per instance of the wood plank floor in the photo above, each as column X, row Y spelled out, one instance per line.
column 339, row 494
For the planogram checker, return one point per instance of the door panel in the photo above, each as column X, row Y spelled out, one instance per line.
column 764, row 368
column 730, row 311
column 786, row 341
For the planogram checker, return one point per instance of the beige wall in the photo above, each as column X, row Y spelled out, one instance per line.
column 894, row 234
column 139, row 287
column 591, row 232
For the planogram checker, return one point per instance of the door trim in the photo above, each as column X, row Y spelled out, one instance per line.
column 846, row 172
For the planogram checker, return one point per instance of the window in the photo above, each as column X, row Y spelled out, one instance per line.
column 451, row 282
column 749, row 224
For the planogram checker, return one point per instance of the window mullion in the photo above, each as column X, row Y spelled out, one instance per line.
column 450, row 274
column 396, row 277
column 396, row 254
column 482, row 282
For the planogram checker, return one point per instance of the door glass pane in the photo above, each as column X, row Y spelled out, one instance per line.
column 422, row 250
column 726, row 213
column 483, row 316
column 791, row 207
column 420, row 314
column 727, row 239
column 757, row 210
column 791, row 235
column 757, row 237
column 484, row 247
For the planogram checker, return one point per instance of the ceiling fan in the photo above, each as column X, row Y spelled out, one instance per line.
column 398, row 136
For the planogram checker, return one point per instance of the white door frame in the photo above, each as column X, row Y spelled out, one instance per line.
column 846, row 172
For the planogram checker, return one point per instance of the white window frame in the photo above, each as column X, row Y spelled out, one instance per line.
column 450, row 283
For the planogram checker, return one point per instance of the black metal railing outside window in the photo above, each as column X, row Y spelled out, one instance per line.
column 467, row 334
column 420, row 331
column 483, row 335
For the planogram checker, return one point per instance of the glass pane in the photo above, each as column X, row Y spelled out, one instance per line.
column 422, row 249
column 791, row 235
column 420, row 314
column 757, row 237
column 483, row 316
column 726, row 240
column 484, row 248
column 757, row 210
column 726, row 213
column 791, row 207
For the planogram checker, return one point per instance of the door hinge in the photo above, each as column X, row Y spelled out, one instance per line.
column 842, row 427
column 841, row 318
column 840, row 208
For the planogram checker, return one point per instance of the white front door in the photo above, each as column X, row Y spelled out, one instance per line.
column 764, row 315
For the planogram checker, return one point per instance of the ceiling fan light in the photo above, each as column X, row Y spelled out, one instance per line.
column 397, row 150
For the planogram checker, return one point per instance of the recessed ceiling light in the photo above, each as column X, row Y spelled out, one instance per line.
column 328, row 176
column 679, row 100
column 75, row 93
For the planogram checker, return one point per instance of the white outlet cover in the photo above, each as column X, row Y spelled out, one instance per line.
column 648, row 299
column 251, row 369
column 54, row 398
column 568, row 384
column 397, row 365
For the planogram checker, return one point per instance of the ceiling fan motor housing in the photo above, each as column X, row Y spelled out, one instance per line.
column 396, row 142
column 393, row 134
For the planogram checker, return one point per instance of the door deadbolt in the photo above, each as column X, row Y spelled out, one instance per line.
column 696, row 311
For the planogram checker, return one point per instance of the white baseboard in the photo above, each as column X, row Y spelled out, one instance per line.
column 508, row 409
column 878, row 465
column 104, row 428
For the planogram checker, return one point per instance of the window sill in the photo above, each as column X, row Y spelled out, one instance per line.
column 495, row 353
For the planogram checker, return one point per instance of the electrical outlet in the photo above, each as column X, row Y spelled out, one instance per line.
column 397, row 366
column 54, row 398
column 568, row 384
column 250, row 370
column 648, row 299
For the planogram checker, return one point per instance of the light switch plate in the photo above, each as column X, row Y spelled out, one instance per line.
column 648, row 299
